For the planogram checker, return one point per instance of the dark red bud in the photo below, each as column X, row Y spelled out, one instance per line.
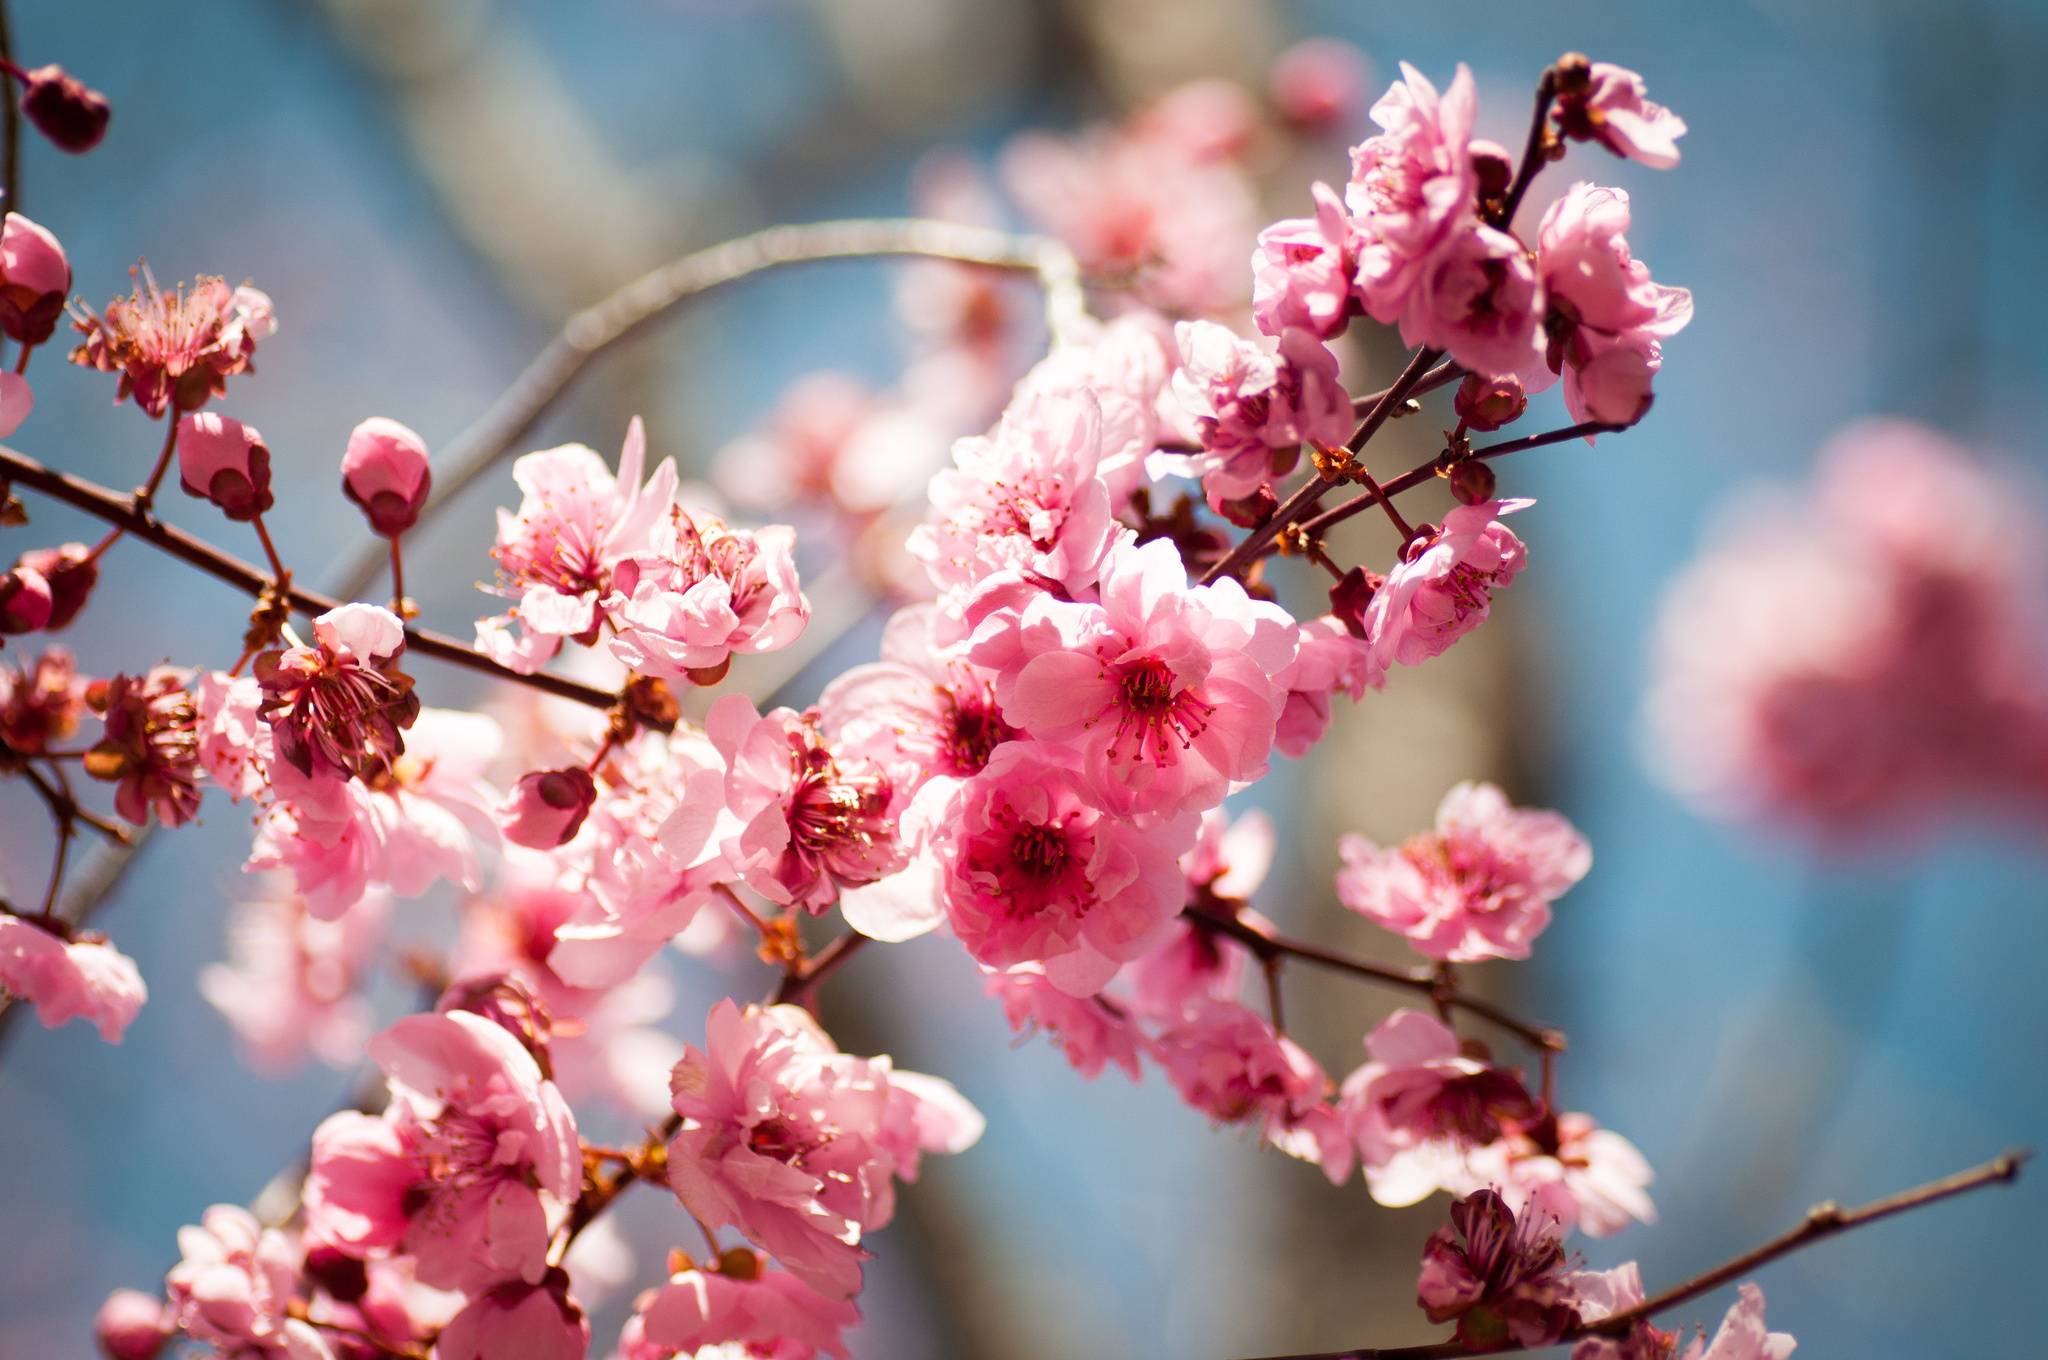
column 1350, row 597
column 1472, row 482
column 1248, row 512
column 73, row 117
column 1486, row 404
column 71, row 573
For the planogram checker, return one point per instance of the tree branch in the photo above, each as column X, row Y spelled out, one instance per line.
column 797, row 987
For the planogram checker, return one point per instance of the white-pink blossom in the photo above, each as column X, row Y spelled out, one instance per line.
column 769, row 1313
column 79, row 976
column 701, row 593
column 292, row 986
column 1607, row 105
column 1412, row 186
column 1253, row 408
column 234, row 1287
column 1443, row 587
column 1604, row 315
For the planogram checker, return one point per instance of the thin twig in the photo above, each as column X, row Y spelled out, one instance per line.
column 797, row 987
column 1533, row 157
column 145, row 495
column 10, row 121
column 1443, row 375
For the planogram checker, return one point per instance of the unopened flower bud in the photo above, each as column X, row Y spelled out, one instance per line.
column 1350, row 597
column 64, row 110
column 1615, row 386
column 25, row 601
column 344, row 1278
column 385, row 472
column 1490, row 164
column 1320, row 85
column 224, row 461
column 740, row 1263
column 131, row 1325
column 1485, row 404
column 511, row 1005
column 1472, row 482
column 1248, row 511
column 35, row 278
column 71, row 574
column 546, row 808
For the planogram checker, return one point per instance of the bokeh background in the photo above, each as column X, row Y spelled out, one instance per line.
column 427, row 187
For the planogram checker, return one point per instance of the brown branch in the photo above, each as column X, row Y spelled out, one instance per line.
column 649, row 1164
column 1533, row 157
column 1443, row 375
column 10, row 121
column 796, row 989
column 120, row 511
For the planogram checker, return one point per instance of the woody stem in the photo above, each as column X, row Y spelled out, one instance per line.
column 145, row 496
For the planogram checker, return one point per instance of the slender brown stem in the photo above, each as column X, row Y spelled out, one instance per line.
column 1533, row 158
column 797, row 987
column 145, row 495
column 733, row 899
column 277, row 567
column 1444, row 374
column 10, row 120
column 397, row 579
column 598, row 1194
column 1379, row 493
column 121, row 511
column 62, row 805
column 1304, row 500
column 21, row 360
column 1272, row 969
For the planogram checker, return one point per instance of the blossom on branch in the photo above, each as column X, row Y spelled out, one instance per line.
column 234, row 1289
column 1253, row 409
column 769, row 1313
column 1443, row 586
column 70, row 976
column 700, row 593
column 151, row 746
column 41, row 702
column 177, row 350
column 224, row 461
column 1503, row 1276
column 336, row 709
column 35, row 278
column 1604, row 103
column 385, row 472
column 1093, row 1031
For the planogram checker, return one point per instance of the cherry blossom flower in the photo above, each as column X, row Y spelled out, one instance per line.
column 463, row 1168
column 1486, row 403
column 770, row 1313
column 1125, row 365
column 1741, row 1336
column 385, row 472
column 151, row 746
column 1479, row 297
column 536, row 1320
column 71, row 572
column 25, row 600
column 41, row 702
column 1319, row 85
column 224, row 461
column 175, row 351
column 1033, row 873
column 701, row 593
column 1164, row 690
column 1230, row 856
column 234, row 1287
column 1443, row 587
column 556, row 556
column 1600, row 1294
column 1255, row 409
column 1302, row 273
column 380, row 1297
column 796, row 1144
column 797, row 452
column 131, row 1325
column 235, row 744
column 336, row 708
column 35, row 278
column 1604, row 318
column 1504, row 1277
column 1227, row 1062
column 546, row 808
column 69, row 976
column 1328, row 657
column 1191, row 964
column 1604, row 103
column 292, row 985
column 1412, row 186
column 1420, row 1106
column 1093, row 1031
column 1600, row 1172
column 1478, row 887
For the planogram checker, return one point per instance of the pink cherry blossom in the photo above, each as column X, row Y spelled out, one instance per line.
column 1192, row 963
column 336, row 708
column 82, row 976
column 1601, row 1173
column 17, row 399
column 1033, row 873
column 222, row 460
column 234, row 1286
column 131, row 1325
column 1302, row 273
column 1165, row 690
column 1253, row 409
column 41, row 703
column 72, row 573
column 1025, row 498
column 1420, row 1107
column 1600, row 1294
column 1227, row 1062
column 1478, row 296
column 1606, row 105
column 795, row 1143
column 1093, row 1031
column 700, row 593
column 1503, row 1276
column 293, row 984
column 25, row 600
column 1230, row 856
column 235, row 744
column 1125, row 365
column 1443, row 588
column 150, row 747
column 463, row 1166
column 533, row 1320
column 1320, row 85
column 386, row 473
column 1412, row 187
column 557, row 554
column 1479, row 887
column 35, row 278
column 797, row 451
column 547, row 807
column 1329, row 658
column 175, row 350
column 771, row 1313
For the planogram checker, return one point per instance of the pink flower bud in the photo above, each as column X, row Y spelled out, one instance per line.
column 34, row 279
column 17, row 400
column 24, row 601
column 1247, row 512
column 511, row 1005
column 71, row 574
column 1320, row 85
column 1485, row 404
column 224, row 461
column 64, row 110
column 1492, row 167
column 546, row 808
column 130, row 1325
column 1615, row 385
column 385, row 472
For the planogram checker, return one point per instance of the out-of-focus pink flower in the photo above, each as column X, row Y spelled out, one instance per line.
column 1443, row 588
column 1604, row 103
column 1253, row 409
column 533, row 1320
column 234, row 1286
column 71, row 572
column 41, row 703
column 17, row 402
column 131, row 1325
column 1478, row 887
column 1093, row 1031
column 557, row 555
column 1600, row 1172
column 770, row 1313
column 82, row 976
column 1301, row 275
column 35, row 278
column 336, row 708
column 1319, row 85
column 1504, row 1278
column 1033, row 873
column 455, row 1172
column 1227, row 1062
column 291, row 986
column 1865, row 663
column 25, row 600
column 151, row 746
column 797, row 1144
column 175, row 350
column 1165, row 690
column 224, row 461
column 1125, row 366
column 64, row 109
column 1420, row 1107
column 796, row 453
column 701, row 593
column 235, row 744
column 1412, row 187
column 385, row 472
column 546, row 808
column 1230, row 856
